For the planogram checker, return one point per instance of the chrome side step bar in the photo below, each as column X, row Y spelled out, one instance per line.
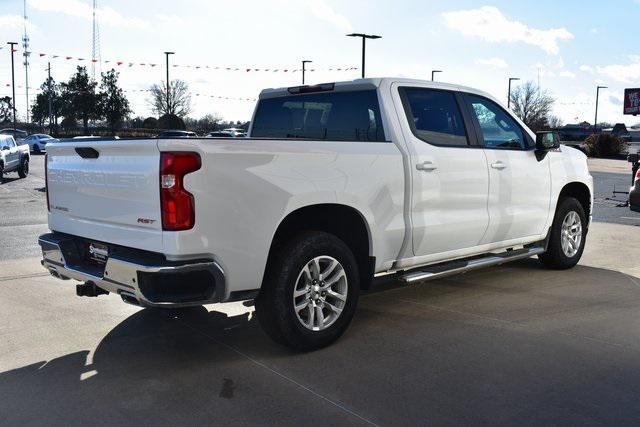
column 463, row 266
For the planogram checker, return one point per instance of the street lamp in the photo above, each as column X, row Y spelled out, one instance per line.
column 364, row 38
column 511, row 79
column 595, row 121
column 13, row 83
column 304, row 61
column 167, row 59
column 433, row 73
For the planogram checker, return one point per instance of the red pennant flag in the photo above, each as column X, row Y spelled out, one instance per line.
column 248, row 69
column 94, row 60
column 143, row 64
column 119, row 62
column 285, row 70
column 69, row 57
column 42, row 54
column 56, row 56
column 106, row 62
column 130, row 64
column 153, row 65
column 80, row 59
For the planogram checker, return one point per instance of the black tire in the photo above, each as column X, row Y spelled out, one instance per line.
column 36, row 149
column 275, row 304
column 23, row 169
column 555, row 257
column 1, row 172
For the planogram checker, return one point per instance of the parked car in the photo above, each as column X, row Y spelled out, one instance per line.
column 177, row 134
column 220, row 134
column 38, row 142
column 337, row 184
column 18, row 135
column 13, row 157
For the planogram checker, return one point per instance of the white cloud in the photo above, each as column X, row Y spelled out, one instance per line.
column 494, row 62
column 567, row 74
column 489, row 24
column 625, row 73
column 106, row 15
column 323, row 11
column 14, row 22
column 586, row 68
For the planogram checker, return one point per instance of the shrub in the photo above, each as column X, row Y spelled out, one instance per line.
column 150, row 123
column 69, row 123
column 603, row 145
column 171, row 121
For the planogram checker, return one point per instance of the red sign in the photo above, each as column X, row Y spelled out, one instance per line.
column 632, row 101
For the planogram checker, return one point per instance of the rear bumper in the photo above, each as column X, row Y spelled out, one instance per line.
column 139, row 277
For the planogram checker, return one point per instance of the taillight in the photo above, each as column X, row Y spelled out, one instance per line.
column 638, row 175
column 177, row 204
column 46, row 180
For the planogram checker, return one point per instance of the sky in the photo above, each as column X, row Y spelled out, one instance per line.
column 569, row 47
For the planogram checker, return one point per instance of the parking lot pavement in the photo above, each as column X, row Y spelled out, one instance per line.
column 506, row 345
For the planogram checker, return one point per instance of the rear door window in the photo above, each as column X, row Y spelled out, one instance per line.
column 434, row 116
column 330, row 116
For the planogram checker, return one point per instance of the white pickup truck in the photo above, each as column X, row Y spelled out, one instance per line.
column 14, row 157
column 336, row 184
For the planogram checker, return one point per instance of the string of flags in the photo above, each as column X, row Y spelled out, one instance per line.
column 131, row 64
column 204, row 95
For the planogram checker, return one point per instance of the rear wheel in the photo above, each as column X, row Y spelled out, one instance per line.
column 568, row 236
column 1, row 172
column 310, row 291
column 23, row 169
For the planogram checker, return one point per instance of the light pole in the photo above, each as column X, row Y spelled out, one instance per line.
column 595, row 121
column 167, row 60
column 49, row 100
column 13, row 83
column 304, row 61
column 364, row 38
column 433, row 73
column 511, row 79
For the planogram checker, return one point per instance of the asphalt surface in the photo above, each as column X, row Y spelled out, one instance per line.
column 515, row 344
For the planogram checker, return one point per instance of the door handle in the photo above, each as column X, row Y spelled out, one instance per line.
column 426, row 166
column 498, row 165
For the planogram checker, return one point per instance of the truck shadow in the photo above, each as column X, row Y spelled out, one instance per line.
column 158, row 367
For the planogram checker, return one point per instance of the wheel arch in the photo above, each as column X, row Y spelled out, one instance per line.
column 344, row 222
column 579, row 191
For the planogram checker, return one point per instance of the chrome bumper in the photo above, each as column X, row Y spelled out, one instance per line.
column 139, row 277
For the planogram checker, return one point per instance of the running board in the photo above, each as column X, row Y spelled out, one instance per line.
column 463, row 266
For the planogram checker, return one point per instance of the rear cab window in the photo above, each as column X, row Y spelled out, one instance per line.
column 328, row 116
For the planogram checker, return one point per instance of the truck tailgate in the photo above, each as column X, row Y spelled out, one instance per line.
column 113, row 198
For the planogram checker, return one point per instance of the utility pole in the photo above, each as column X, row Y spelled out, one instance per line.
column 509, row 92
column 595, row 121
column 433, row 73
column 167, row 58
column 303, row 69
column 26, row 53
column 50, row 97
column 13, row 82
column 364, row 39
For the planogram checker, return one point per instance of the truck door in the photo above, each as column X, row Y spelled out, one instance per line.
column 449, row 174
column 519, row 182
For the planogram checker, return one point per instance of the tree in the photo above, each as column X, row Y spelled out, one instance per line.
column 150, row 123
column 532, row 105
column 171, row 121
column 112, row 102
column 178, row 102
column 209, row 122
column 5, row 109
column 79, row 98
column 40, row 108
column 554, row 122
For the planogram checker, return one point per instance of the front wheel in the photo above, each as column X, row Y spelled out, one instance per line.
column 23, row 169
column 568, row 236
column 310, row 291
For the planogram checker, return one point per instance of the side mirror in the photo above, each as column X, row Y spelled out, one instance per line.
column 547, row 140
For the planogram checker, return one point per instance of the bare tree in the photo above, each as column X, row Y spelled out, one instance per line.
column 554, row 122
column 178, row 102
column 532, row 105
